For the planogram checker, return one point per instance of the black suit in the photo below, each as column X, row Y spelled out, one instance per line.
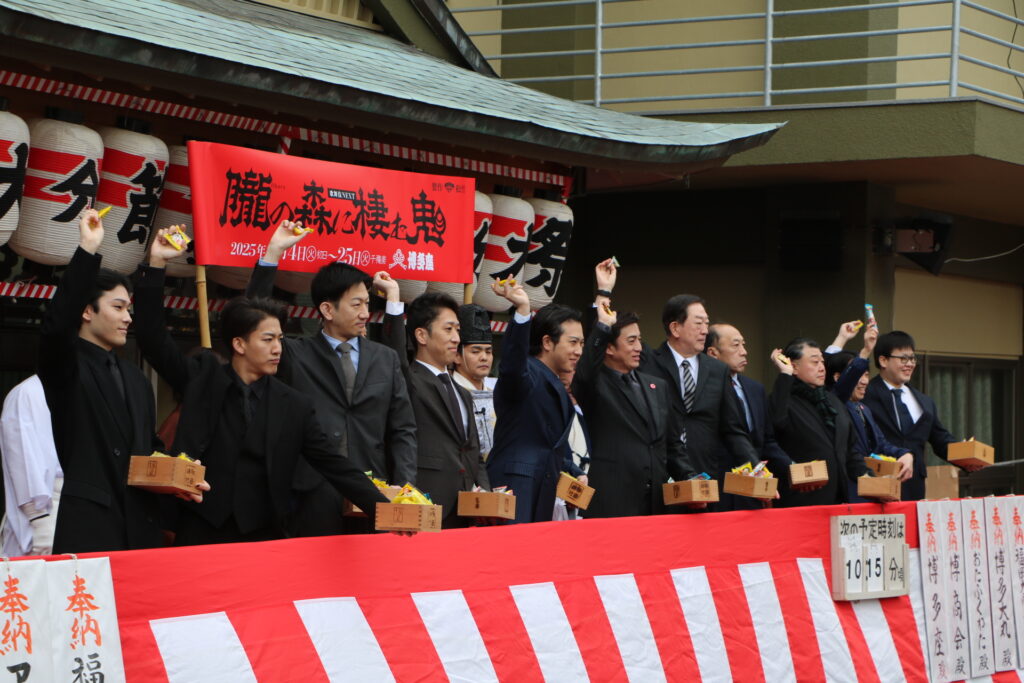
column 376, row 429
column 714, row 427
column 762, row 436
column 288, row 429
column 803, row 434
column 446, row 462
column 631, row 457
column 94, row 428
column 927, row 429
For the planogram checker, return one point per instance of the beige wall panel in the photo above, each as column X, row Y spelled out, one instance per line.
column 734, row 294
column 960, row 316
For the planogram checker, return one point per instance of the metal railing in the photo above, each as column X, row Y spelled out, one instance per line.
column 950, row 22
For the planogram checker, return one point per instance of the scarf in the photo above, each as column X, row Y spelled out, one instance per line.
column 817, row 397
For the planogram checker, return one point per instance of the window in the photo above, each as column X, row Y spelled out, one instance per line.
column 975, row 397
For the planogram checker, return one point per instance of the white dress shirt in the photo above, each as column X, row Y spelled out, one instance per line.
column 908, row 399
column 694, row 365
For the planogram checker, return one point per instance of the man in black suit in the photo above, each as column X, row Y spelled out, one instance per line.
column 812, row 424
column 703, row 400
column 357, row 385
column 629, row 412
column 535, row 414
column 725, row 343
column 101, row 407
column 448, row 458
column 907, row 417
column 250, row 428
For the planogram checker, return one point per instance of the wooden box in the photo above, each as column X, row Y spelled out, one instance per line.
column 351, row 510
column 882, row 468
column 572, row 491
column 751, row 487
column 885, row 489
column 808, row 472
column 407, row 517
column 486, row 504
column 972, row 453
column 943, row 481
column 690, row 491
column 165, row 475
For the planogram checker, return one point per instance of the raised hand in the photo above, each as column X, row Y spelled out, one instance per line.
column 90, row 231
column 514, row 293
column 605, row 274
column 286, row 236
column 782, row 363
column 385, row 286
column 161, row 250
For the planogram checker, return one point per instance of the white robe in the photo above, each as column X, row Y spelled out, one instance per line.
column 32, row 473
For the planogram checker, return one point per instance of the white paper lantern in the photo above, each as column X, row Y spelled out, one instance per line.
column 505, row 253
column 176, row 209
column 410, row 289
column 482, row 215
column 64, row 164
column 14, row 141
column 134, row 165
column 549, row 243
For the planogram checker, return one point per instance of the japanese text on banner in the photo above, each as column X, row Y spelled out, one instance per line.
column 416, row 226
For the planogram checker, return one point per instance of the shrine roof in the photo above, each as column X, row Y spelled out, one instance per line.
column 265, row 49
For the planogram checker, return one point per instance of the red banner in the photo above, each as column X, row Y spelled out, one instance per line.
column 642, row 599
column 416, row 226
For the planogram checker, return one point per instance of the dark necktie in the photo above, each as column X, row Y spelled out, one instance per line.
column 902, row 412
column 348, row 368
column 689, row 386
column 453, row 402
column 743, row 400
column 248, row 403
column 115, row 373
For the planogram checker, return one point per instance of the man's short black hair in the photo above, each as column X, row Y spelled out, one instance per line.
column 107, row 280
column 835, row 364
column 889, row 342
column 623, row 319
column 548, row 323
column 676, row 309
column 332, row 281
column 423, row 311
column 242, row 315
column 795, row 348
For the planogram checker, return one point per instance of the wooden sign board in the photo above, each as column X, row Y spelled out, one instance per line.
column 869, row 556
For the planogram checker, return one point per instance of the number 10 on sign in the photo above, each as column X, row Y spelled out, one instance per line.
column 869, row 556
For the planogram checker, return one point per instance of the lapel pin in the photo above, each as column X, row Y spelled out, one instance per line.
column 653, row 386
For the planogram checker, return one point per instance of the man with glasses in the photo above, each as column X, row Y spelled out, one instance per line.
column 908, row 418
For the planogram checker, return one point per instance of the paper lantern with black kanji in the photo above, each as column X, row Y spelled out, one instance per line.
column 63, row 172
column 176, row 209
column 134, row 164
column 13, row 160
column 507, row 243
column 549, row 243
column 482, row 215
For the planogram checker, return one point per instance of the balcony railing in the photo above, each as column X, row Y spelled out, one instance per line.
column 632, row 54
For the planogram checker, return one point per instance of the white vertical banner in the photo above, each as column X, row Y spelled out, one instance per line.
column 1000, row 576
column 1016, row 541
column 951, row 542
column 83, row 621
column 979, row 604
column 24, row 622
column 935, row 596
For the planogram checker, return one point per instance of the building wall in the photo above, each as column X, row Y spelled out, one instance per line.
column 959, row 316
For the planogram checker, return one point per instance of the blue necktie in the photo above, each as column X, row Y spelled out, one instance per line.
column 902, row 412
column 743, row 400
